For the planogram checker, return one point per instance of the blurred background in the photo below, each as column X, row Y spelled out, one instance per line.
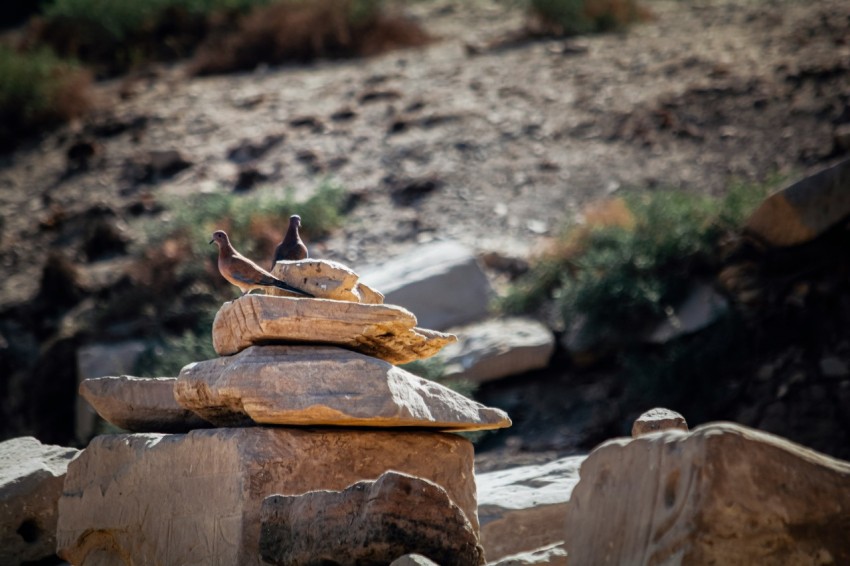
column 602, row 160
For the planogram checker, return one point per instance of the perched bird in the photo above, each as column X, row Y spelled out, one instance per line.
column 243, row 272
column 291, row 248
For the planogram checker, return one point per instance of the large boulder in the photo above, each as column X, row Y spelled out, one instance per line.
column 721, row 494
column 323, row 385
column 805, row 209
column 370, row 523
column 498, row 348
column 31, row 477
column 382, row 331
column 195, row 498
column 525, row 507
column 441, row 282
column 139, row 404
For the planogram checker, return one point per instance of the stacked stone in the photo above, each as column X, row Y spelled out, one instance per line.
column 305, row 397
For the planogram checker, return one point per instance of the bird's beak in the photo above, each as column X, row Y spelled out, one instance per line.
column 212, row 241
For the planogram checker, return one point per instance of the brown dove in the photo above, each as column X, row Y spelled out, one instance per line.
column 243, row 272
column 291, row 248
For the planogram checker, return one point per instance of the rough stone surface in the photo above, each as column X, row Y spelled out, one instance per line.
column 658, row 419
column 702, row 306
column 325, row 280
column 139, row 404
column 804, row 210
column 498, row 348
column 552, row 554
column 524, row 508
column 31, row 477
column 722, row 494
column 323, row 385
column 195, row 498
column 382, row 331
column 370, row 523
column 97, row 360
column 441, row 283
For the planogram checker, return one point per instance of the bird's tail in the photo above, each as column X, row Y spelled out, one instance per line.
column 287, row 287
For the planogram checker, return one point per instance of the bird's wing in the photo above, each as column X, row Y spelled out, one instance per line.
column 246, row 271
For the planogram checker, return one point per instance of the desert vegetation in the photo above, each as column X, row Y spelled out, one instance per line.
column 38, row 90
column 574, row 17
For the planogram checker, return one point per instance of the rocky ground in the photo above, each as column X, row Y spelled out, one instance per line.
column 481, row 137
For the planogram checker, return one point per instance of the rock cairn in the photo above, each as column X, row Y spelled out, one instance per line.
column 305, row 397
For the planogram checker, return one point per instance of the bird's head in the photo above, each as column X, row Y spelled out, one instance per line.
column 219, row 238
column 295, row 220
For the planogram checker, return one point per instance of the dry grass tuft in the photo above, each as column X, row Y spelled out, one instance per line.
column 294, row 31
column 38, row 91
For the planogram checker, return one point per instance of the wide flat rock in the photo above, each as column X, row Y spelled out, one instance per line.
column 31, row 478
column 498, row 348
column 524, row 508
column 195, row 499
column 140, row 404
column 323, row 385
column 721, row 494
column 369, row 523
column 383, row 331
column 441, row 282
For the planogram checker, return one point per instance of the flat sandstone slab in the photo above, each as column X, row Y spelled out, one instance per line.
column 383, row 331
column 323, row 385
column 195, row 499
column 139, row 404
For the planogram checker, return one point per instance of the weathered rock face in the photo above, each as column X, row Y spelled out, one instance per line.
column 31, row 477
column 382, row 331
column 368, row 523
column 323, row 385
column 658, row 419
column 195, row 498
column 324, row 279
column 441, row 282
column 524, row 508
column 722, row 494
column 140, row 404
column 498, row 348
column 804, row 210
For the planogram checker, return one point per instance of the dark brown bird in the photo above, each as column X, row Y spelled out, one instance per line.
column 291, row 248
column 243, row 272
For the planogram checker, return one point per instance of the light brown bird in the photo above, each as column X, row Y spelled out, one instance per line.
column 291, row 248
column 243, row 272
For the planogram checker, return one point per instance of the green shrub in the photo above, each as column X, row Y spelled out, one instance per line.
column 627, row 269
column 115, row 35
column 573, row 17
column 38, row 90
